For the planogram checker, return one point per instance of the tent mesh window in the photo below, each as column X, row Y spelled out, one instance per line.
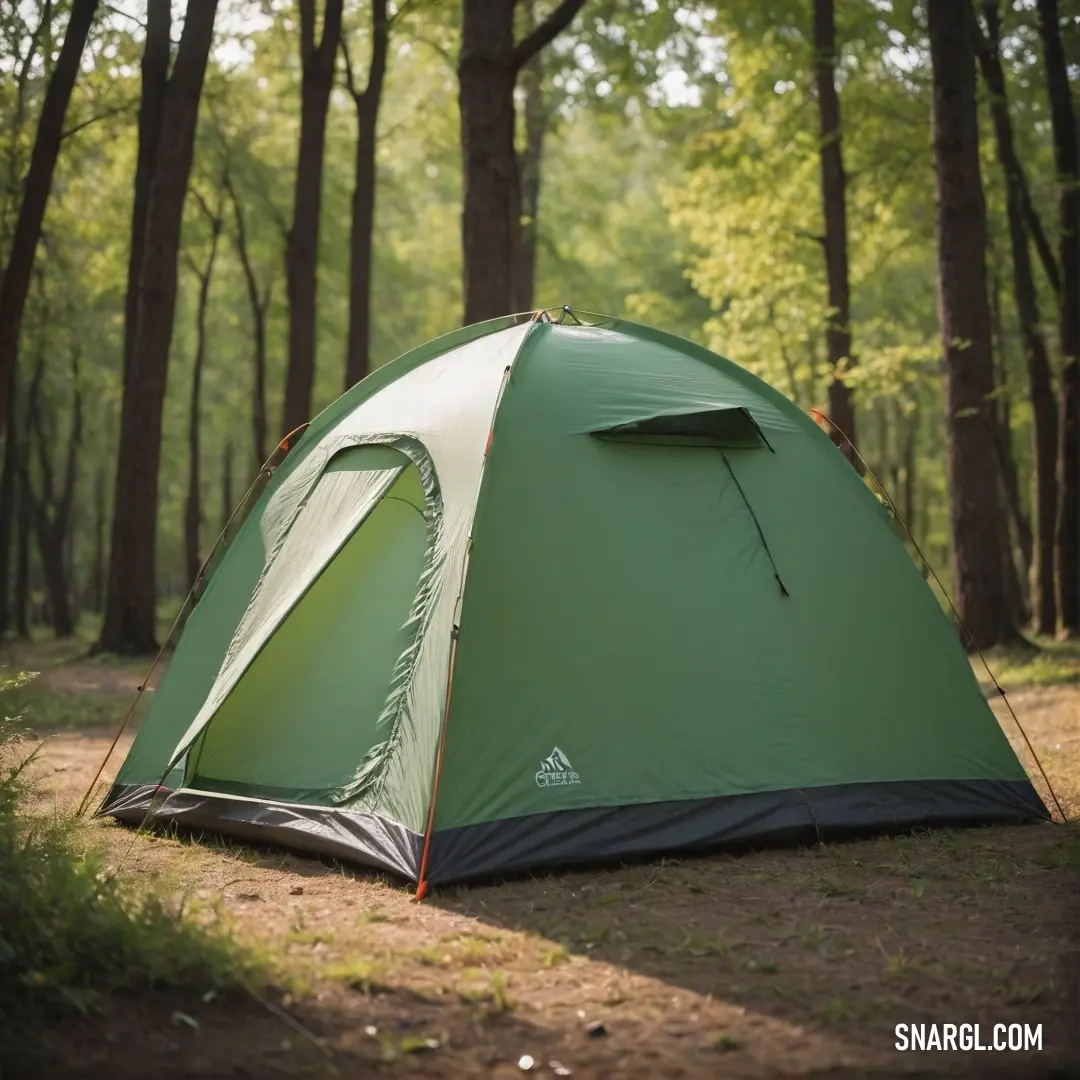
column 730, row 428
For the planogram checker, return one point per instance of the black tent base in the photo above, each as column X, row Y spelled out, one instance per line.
column 593, row 836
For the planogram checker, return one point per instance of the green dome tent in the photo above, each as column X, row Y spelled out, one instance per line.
column 547, row 592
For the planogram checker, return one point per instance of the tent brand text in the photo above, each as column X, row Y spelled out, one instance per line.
column 968, row 1037
column 556, row 771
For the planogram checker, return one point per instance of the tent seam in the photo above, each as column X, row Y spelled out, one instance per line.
column 421, row 886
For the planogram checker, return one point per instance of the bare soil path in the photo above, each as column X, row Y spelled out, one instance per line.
column 781, row 963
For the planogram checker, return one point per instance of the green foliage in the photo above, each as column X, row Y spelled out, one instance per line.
column 679, row 185
column 70, row 931
column 1043, row 662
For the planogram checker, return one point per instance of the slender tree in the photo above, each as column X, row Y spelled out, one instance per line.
column 52, row 507
column 1019, row 520
column 226, row 484
column 8, row 493
column 1040, row 377
column 488, row 65
column 1016, row 524
column 129, row 623
column 1067, row 165
column 834, row 241
column 24, row 532
column 317, row 59
column 15, row 281
column 259, row 304
column 193, row 502
column 155, row 78
column 530, row 162
column 358, row 352
column 982, row 592
column 96, row 590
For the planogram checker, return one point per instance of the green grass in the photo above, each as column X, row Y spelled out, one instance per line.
column 1042, row 662
column 58, row 712
column 72, row 933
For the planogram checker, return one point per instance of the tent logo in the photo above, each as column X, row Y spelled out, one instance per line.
column 556, row 771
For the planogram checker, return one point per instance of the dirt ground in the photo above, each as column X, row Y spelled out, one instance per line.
column 780, row 963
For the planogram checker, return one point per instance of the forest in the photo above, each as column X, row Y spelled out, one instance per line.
column 216, row 216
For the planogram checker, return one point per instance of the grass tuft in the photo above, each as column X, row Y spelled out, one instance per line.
column 71, row 933
column 1042, row 662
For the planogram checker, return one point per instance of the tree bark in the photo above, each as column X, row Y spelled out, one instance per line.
column 488, row 65
column 155, row 78
column 834, row 202
column 259, row 303
column 982, row 595
column 97, row 568
column 15, row 282
column 302, row 251
column 1010, row 477
column 1067, row 165
column 52, row 510
column 1040, row 377
column 358, row 351
column 530, row 162
column 129, row 623
column 193, row 502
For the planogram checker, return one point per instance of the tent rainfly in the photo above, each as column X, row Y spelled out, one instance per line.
column 543, row 592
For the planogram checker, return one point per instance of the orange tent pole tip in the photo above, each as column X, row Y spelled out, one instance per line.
column 284, row 444
column 421, row 892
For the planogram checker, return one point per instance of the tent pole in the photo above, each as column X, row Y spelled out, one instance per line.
column 944, row 592
column 421, row 881
column 284, row 444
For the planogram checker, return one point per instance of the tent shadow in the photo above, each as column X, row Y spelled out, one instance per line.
column 809, row 957
column 800, row 960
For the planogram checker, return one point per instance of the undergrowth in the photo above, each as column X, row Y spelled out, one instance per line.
column 71, row 932
column 1038, row 661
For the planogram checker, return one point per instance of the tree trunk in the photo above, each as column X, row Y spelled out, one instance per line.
column 883, row 460
column 40, row 39
column 1010, row 477
column 834, row 201
column 1021, row 527
column 258, row 302
column 530, row 160
column 302, row 251
column 358, row 354
column 24, row 525
column 1040, row 378
column 193, row 502
column 155, row 78
column 226, row 485
column 56, row 584
column 1067, row 164
column 909, row 454
column 51, row 510
column 491, row 211
column 15, row 282
column 71, row 573
column 982, row 597
column 97, row 569
column 8, row 485
column 129, row 624
column 491, row 218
